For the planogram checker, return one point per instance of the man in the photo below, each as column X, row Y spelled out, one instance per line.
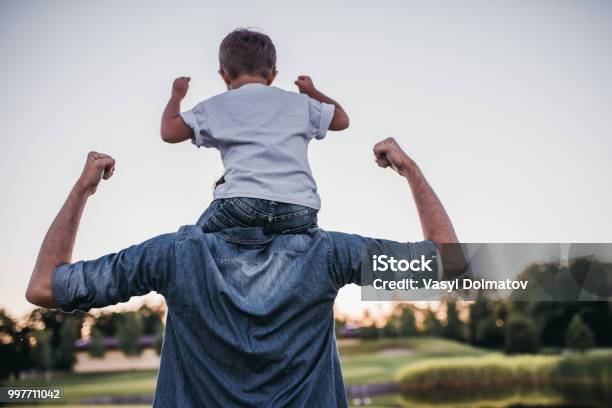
column 250, row 316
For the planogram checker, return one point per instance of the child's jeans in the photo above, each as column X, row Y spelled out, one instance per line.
column 272, row 216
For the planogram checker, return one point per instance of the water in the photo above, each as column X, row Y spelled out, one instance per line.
column 597, row 395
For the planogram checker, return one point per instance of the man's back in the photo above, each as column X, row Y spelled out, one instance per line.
column 250, row 322
column 250, row 316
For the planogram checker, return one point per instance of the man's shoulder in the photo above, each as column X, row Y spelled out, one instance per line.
column 190, row 231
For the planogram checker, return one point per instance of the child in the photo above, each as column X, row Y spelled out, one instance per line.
column 262, row 133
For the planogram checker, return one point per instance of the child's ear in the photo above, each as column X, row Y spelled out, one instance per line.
column 225, row 76
column 271, row 77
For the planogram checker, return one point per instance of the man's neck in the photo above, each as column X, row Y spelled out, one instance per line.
column 246, row 79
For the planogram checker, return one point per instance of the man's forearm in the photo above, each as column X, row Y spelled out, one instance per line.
column 57, row 247
column 58, row 244
column 435, row 222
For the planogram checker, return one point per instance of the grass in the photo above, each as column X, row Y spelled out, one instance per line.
column 371, row 362
column 79, row 386
column 362, row 362
column 424, row 363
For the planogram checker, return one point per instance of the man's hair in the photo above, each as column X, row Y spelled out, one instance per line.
column 245, row 51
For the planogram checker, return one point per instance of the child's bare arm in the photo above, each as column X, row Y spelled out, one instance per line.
column 173, row 127
column 341, row 119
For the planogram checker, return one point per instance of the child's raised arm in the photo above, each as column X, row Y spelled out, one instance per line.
column 341, row 119
column 173, row 127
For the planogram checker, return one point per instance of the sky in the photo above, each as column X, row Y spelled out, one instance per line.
column 506, row 107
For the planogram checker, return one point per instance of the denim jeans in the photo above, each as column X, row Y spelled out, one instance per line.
column 272, row 216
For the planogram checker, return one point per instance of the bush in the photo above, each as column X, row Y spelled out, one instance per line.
column 128, row 332
column 581, row 379
column 96, row 344
column 488, row 334
column 579, row 336
column 520, row 336
column 463, row 373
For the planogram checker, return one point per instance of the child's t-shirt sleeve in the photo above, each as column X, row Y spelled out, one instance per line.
column 197, row 120
column 321, row 115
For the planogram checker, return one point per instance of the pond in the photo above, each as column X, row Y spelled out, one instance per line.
column 577, row 394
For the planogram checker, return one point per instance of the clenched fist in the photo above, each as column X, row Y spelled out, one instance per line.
column 180, row 87
column 388, row 153
column 97, row 167
column 305, row 85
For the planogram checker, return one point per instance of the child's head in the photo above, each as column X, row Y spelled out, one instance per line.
column 245, row 52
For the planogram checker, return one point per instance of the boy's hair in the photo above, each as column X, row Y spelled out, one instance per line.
column 245, row 51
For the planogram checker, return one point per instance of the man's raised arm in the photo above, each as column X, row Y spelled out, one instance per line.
column 58, row 244
column 435, row 222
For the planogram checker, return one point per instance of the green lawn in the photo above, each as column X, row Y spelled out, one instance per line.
column 382, row 361
column 379, row 361
column 362, row 362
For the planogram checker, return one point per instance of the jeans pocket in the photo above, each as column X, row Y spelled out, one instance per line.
column 235, row 214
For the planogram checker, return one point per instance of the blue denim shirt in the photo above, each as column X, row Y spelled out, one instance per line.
column 250, row 316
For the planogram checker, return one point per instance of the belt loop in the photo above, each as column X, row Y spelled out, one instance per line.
column 272, row 207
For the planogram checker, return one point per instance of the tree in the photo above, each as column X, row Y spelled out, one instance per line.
column 407, row 322
column 432, row 325
column 454, row 326
column 488, row 334
column 338, row 326
column 579, row 336
column 96, row 344
column 520, row 336
column 42, row 353
column 479, row 311
column 7, row 344
column 159, row 340
column 14, row 347
column 107, row 323
column 65, row 352
column 129, row 331
column 151, row 319
column 62, row 337
column 369, row 331
column 402, row 322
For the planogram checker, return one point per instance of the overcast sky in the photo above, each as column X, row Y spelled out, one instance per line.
column 506, row 106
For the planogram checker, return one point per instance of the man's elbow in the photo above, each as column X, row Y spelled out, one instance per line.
column 32, row 296
column 454, row 262
column 39, row 296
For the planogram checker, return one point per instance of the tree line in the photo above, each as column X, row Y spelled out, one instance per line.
column 45, row 340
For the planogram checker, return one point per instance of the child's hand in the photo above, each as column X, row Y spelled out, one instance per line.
column 305, row 85
column 180, row 87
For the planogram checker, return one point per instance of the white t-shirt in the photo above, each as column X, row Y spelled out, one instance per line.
column 262, row 133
